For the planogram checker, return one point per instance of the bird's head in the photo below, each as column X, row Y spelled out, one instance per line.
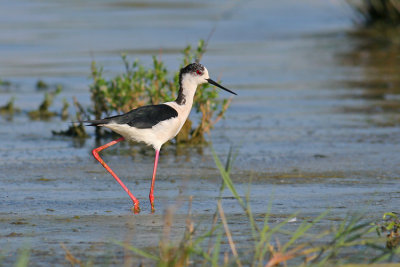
column 198, row 74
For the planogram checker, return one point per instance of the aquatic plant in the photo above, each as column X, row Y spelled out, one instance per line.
column 64, row 110
column 377, row 12
column 76, row 128
column 43, row 112
column 5, row 83
column 41, row 85
column 391, row 227
column 139, row 86
column 9, row 108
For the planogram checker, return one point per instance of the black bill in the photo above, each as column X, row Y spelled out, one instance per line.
column 220, row 86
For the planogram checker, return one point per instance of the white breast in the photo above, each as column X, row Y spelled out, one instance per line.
column 159, row 133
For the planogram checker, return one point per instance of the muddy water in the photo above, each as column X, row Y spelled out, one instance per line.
column 315, row 123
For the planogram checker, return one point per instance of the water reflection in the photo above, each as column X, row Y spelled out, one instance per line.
column 376, row 55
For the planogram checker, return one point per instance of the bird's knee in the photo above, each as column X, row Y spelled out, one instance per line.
column 95, row 153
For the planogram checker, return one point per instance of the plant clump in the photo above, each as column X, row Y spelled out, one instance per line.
column 41, row 85
column 9, row 108
column 43, row 112
column 5, row 83
column 76, row 129
column 391, row 227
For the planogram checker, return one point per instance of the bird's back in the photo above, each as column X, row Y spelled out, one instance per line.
column 141, row 118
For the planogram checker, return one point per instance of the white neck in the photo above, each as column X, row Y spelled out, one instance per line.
column 188, row 86
column 188, row 91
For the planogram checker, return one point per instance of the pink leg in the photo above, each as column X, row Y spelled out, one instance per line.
column 151, row 196
column 95, row 152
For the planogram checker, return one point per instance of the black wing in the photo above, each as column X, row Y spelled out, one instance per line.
column 142, row 118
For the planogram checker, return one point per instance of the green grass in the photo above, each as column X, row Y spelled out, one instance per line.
column 329, row 247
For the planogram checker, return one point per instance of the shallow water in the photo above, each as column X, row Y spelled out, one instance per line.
column 315, row 122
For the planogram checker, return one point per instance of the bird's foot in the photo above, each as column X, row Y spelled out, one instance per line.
column 151, row 198
column 136, row 208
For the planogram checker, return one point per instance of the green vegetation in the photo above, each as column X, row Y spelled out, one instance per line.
column 391, row 227
column 23, row 258
column 4, row 83
column 64, row 110
column 43, row 112
column 216, row 247
column 75, row 129
column 41, row 85
column 328, row 247
column 9, row 108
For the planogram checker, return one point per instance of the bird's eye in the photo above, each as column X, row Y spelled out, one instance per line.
column 199, row 72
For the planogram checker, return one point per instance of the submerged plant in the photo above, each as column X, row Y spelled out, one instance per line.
column 5, row 84
column 41, row 85
column 43, row 112
column 76, row 129
column 9, row 108
column 391, row 227
column 64, row 110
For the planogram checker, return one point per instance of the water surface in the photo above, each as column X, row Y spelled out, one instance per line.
column 315, row 122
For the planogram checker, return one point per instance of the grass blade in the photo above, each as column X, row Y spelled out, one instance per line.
column 227, row 179
column 23, row 258
column 138, row 251
column 216, row 250
column 228, row 234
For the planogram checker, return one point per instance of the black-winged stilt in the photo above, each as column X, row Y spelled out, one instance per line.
column 155, row 124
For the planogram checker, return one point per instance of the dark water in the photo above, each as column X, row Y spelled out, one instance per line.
column 315, row 122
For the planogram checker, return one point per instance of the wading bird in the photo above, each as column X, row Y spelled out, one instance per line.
column 155, row 124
